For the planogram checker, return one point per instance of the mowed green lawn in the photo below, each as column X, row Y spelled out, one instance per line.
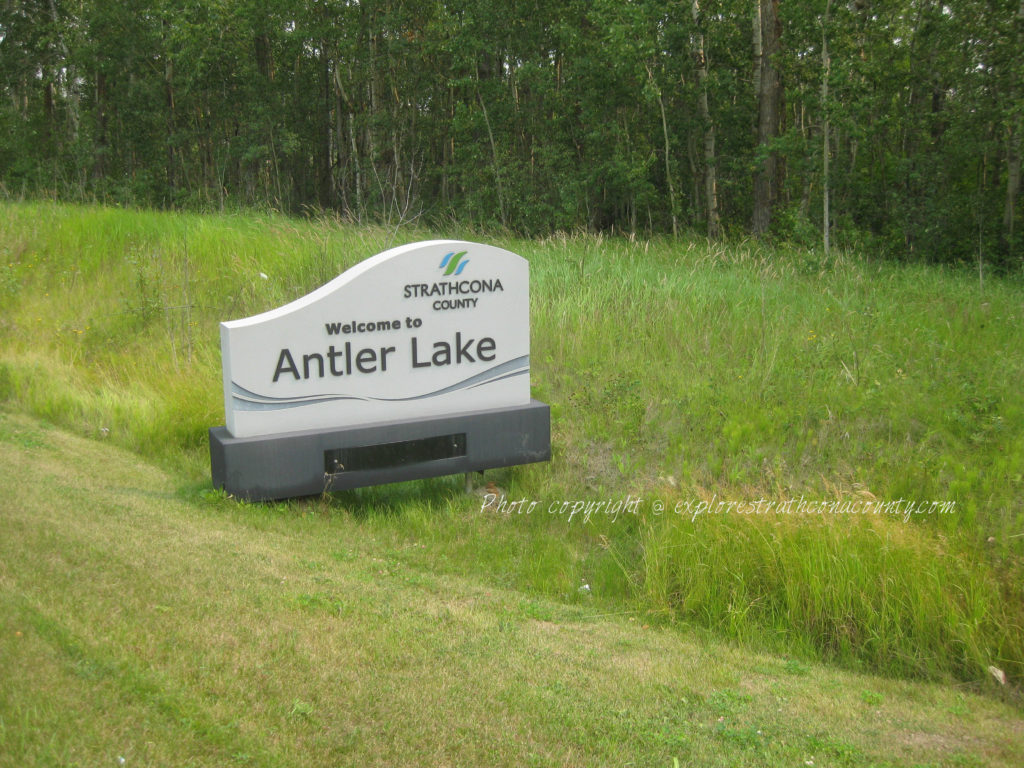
column 146, row 623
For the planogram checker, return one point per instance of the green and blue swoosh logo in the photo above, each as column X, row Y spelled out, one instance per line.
column 453, row 263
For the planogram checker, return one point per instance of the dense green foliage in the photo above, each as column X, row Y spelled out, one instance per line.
column 608, row 115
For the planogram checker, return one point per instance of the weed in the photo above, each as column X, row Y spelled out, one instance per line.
column 301, row 710
column 727, row 703
column 795, row 667
column 872, row 698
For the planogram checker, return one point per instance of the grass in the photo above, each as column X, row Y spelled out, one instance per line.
column 146, row 621
column 677, row 372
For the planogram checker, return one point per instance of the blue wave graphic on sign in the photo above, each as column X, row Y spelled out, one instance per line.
column 246, row 400
column 452, row 261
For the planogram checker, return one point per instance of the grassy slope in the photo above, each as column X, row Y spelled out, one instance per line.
column 675, row 370
column 141, row 620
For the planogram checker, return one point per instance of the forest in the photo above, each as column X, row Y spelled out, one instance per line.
column 889, row 125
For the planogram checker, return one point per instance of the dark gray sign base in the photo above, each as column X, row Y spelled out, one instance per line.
column 312, row 462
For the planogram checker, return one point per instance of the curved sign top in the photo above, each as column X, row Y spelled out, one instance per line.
column 431, row 328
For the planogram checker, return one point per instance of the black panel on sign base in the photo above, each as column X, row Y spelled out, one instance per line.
column 315, row 461
column 398, row 454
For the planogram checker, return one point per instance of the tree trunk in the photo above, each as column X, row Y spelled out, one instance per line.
column 170, row 123
column 769, row 111
column 826, row 66
column 494, row 158
column 351, row 121
column 370, row 121
column 64, row 75
column 99, row 166
column 325, row 180
column 338, row 156
column 1013, row 151
column 758, row 48
column 708, row 125
column 50, row 117
column 264, row 56
column 668, row 167
column 1012, row 183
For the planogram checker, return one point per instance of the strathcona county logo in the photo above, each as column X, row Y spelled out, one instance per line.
column 454, row 263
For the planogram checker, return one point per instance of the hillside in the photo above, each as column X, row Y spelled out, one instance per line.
column 780, row 482
column 142, row 618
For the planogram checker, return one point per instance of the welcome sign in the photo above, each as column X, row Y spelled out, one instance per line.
column 420, row 330
column 413, row 363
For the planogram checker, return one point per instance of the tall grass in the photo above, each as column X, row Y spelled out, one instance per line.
column 110, row 318
column 775, row 371
column 676, row 370
column 861, row 591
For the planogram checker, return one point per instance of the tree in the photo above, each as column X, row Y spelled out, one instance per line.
column 905, row 117
column 1013, row 139
column 710, row 178
column 767, row 179
column 826, row 67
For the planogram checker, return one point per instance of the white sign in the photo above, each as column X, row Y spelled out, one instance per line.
column 432, row 328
